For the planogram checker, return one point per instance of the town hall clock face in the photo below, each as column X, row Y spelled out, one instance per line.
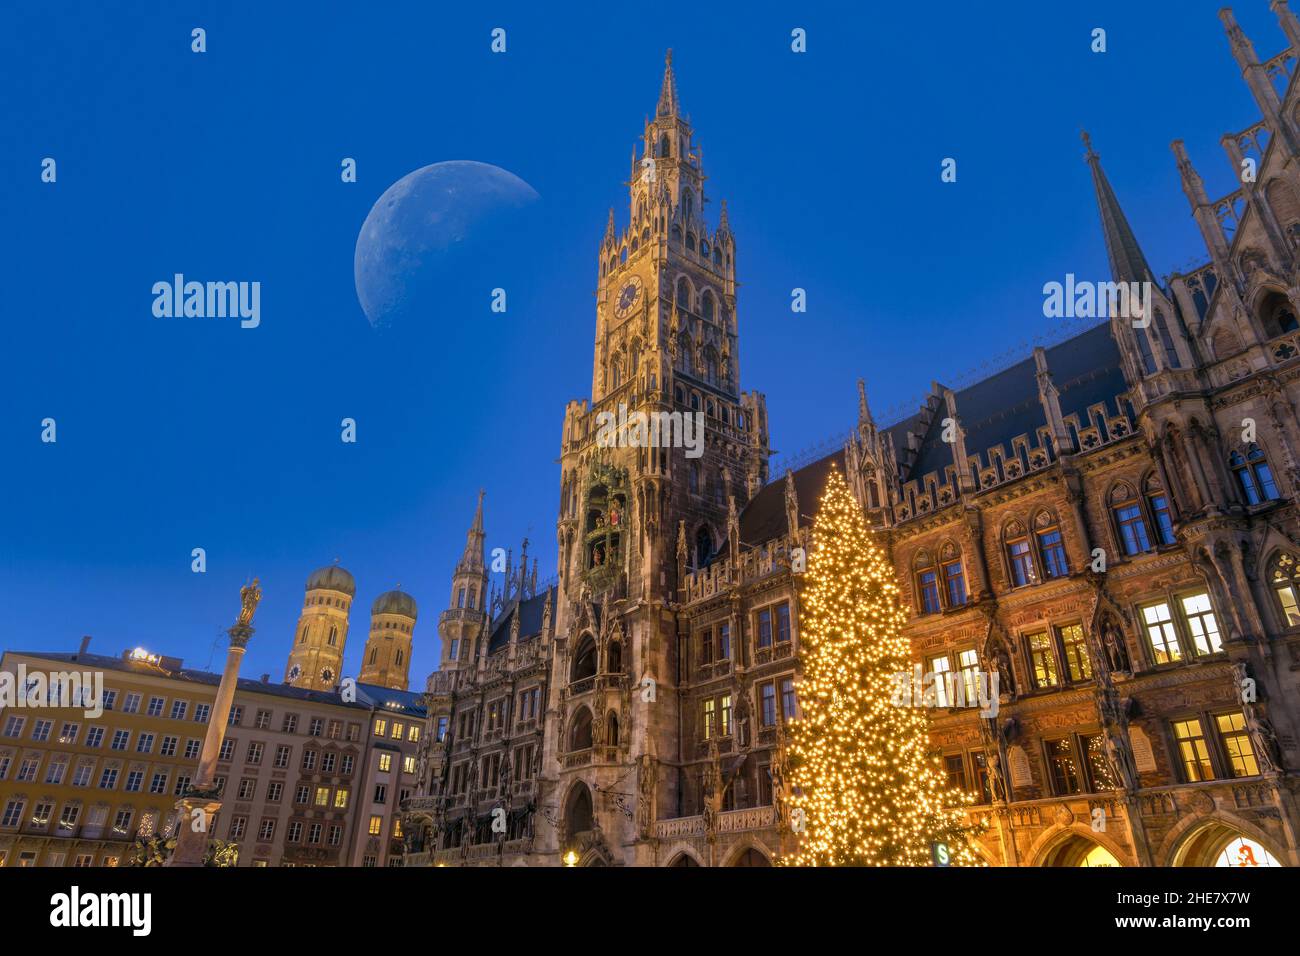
column 627, row 297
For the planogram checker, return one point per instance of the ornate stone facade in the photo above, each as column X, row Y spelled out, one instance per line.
column 1109, row 528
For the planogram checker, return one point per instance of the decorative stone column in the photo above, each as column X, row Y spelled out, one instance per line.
column 200, row 802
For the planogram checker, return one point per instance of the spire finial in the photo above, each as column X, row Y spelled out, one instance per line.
column 668, row 93
column 1127, row 262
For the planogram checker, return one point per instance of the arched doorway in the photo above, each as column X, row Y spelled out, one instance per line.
column 1078, row 851
column 752, row 857
column 578, row 818
column 684, row 859
column 1218, row 844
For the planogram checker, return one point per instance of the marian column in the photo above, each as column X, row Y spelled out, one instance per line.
column 201, row 800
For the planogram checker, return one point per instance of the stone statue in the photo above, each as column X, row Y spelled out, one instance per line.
column 249, row 596
column 742, row 719
column 1116, row 650
column 1262, row 737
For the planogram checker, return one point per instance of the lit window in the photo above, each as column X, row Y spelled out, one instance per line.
column 1202, row 625
column 1160, row 633
column 1042, row 660
column 1237, row 745
column 1063, row 766
column 1077, row 663
column 376, row 825
column 1193, row 752
column 938, row 668
column 1285, row 578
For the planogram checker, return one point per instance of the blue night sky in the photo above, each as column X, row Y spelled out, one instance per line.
column 183, row 433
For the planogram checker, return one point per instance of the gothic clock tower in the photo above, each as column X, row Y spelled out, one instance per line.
column 637, row 512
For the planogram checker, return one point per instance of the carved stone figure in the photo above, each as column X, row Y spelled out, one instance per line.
column 249, row 596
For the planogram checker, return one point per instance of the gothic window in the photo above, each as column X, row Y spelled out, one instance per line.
column 622, row 255
column 927, row 584
column 636, row 243
column 1253, row 475
column 374, row 653
column 611, row 729
column 1051, row 546
column 580, row 734
column 690, row 241
column 694, row 477
column 688, row 206
column 684, row 349
column 1144, row 349
column 677, row 233
column 680, row 395
column 1277, row 315
column 695, row 401
column 703, row 546
column 334, row 635
column 704, row 248
column 664, row 145
column 1130, row 523
column 302, row 638
column 717, row 256
column 1161, row 513
column 1020, row 558
column 584, row 659
column 954, row 578
column 1166, row 340
column 615, row 654
column 1284, row 579
column 706, row 306
column 645, row 234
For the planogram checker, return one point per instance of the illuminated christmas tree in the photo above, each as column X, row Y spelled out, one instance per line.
column 866, row 783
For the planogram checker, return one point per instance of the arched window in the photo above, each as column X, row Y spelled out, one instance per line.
column 615, row 654
column 584, row 659
column 680, row 395
column 334, row 635
column 688, row 205
column 302, row 638
column 927, row 584
column 397, row 657
column 704, row 248
column 580, row 733
column 706, row 306
column 694, row 476
column 717, row 256
column 1277, row 315
column 683, row 294
column 1020, row 557
column 950, row 567
column 695, row 401
column 1144, row 349
column 1051, row 546
column 1254, row 477
column 1284, row 579
column 1171, row 353
column 703, row 546
column 1161, row 513
column 690, row 241
column 374, row 654
column 1130, row 523
column 664, row 146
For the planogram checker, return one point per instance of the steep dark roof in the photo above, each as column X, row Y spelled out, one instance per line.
column 764, row 517
column 100, row 662
column 1085, row 368
column 530, row 620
